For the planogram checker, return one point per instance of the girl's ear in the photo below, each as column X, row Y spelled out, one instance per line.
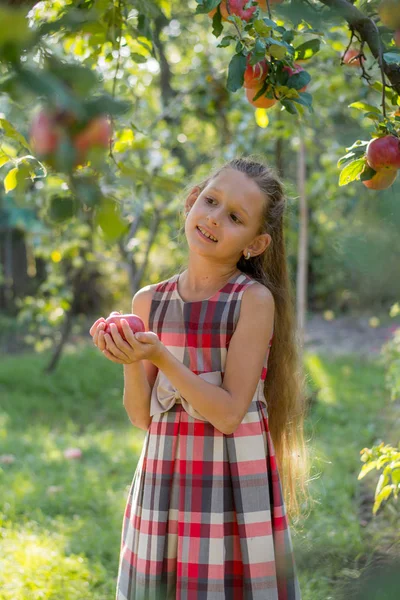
column 192, row 197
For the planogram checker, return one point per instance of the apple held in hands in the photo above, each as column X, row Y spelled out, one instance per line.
column 135, row 323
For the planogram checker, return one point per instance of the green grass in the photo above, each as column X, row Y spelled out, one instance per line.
column 60, row 521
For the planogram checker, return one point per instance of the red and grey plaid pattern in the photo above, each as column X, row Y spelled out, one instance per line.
column 205, row 518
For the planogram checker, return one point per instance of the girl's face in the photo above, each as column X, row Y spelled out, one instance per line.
column 230, row 207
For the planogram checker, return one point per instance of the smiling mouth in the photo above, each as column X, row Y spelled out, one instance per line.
column 198, row 229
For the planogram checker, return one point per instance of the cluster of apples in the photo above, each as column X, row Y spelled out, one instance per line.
column 383, row 156
column 254, row 78
column 50, row 128
column 237, row 7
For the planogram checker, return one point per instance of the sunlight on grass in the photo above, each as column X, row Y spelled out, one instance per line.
column 33, row 564
column 321, row 379
column 60, row 520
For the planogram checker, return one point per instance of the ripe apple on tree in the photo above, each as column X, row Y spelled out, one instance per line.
column 50, row 127
column 382, row 179
column 384, row 153
column 262, row 101
column 134, row 321
column 254, row 75
column 350, row 59
column 97, row 133
column 236, row 7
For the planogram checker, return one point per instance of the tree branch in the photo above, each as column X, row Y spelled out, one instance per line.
column 369, row 33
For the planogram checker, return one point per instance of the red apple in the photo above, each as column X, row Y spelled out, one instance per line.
column 384, row 152
column 44, row 134
column 134, row 322
column 262, row 101
column 255, row 74
column 236, row 7
column 96, row 133
column 381, row 180
column 350, row 55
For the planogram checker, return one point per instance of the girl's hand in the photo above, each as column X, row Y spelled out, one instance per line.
column 97, row 332
column 139, row 346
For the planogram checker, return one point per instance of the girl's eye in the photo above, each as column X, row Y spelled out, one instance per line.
column 237, row 220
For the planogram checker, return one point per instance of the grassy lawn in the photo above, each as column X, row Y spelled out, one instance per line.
column 60, row 520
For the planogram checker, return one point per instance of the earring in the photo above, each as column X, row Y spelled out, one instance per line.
column 248, row 256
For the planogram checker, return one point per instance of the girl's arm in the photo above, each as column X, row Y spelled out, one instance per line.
column 211, row 401
column 137, row 394
column 225, row 406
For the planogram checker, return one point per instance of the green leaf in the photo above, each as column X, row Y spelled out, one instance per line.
column 205, row 6
column 262, row 28
column 298, row 80
column 277, row 51
column 87, row 191
column 3, row 159
column 109, row 219
column 391, row 58
column 80, row 78
column 378, row 86
column 373, row 116
column 226, row 40
column 62, row 208
column 367, row 468
column 305, row 99
column 237, row 67
column 308, row 49
column 138, row 58
column 11, row 132
column 10, row 181
column 217, row 24
column 71, row 20
column 271, row 24
column 290, row 106
column 44, row 83
column 383, row 495
column 14, row 26
column 351, row 171
column 258, row 52
column 106, row 104
column 364, row 106
column 354, row 152
column 357, row 144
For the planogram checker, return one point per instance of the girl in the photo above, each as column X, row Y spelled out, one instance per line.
column 205, row 516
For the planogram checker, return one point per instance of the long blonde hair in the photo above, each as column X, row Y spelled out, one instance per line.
column 284, row 386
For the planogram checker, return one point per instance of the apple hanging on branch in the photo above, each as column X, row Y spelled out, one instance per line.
column 375, row 162
column 237, row 7
column 353, row 58
column 56, row 135
column 261, row 93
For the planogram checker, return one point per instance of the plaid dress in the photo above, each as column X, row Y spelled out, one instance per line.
column 204, row 518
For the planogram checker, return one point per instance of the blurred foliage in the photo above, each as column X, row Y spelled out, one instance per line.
column 173, row 111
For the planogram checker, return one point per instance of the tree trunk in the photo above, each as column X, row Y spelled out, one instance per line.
column 279, row 156
column 67, row 325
